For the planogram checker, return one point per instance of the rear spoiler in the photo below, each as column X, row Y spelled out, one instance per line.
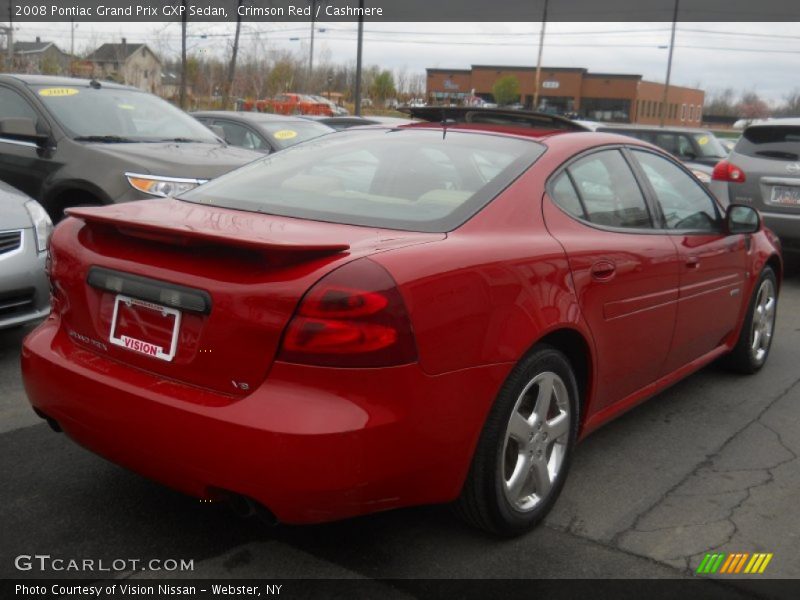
column 492, row 116
column 184, row 224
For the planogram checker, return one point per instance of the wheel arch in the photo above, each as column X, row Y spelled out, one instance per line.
column 576, row 347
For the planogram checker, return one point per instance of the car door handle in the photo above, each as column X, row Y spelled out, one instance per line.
column 692, row 262
column 603, row 270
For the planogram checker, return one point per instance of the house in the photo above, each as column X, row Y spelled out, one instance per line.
column 131, row 64
column 40, row 57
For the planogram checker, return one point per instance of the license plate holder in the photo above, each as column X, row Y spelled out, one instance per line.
column 785, row 195
column 130, row 313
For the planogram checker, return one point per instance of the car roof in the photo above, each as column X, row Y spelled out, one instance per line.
column 499, row 119
column 772, row 122
column 64, row 81
column 657, row 128
column 253, row 117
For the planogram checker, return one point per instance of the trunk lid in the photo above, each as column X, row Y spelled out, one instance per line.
column 234, row 277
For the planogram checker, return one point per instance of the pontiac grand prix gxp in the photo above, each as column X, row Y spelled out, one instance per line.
column 387, row 317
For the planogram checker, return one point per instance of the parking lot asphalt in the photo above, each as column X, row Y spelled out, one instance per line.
column 711, row 465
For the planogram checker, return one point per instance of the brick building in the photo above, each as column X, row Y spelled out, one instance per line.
column 595, row 96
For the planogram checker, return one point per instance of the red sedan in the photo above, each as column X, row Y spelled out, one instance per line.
column 390, row 317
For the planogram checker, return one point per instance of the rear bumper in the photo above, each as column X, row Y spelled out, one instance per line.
column 785, row 226
column 311, row 444
column 24, row 288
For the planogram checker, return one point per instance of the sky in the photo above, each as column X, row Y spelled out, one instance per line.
column 760, row 57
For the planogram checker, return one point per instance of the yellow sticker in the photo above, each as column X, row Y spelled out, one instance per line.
column 58, row 92
column 126, row 106
column 702, row 140
column 284, row 134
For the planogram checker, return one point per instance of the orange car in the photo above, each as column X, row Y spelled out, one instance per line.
column 293, row 104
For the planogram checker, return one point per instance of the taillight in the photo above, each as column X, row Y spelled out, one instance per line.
column 353, row 317
column 727, row 171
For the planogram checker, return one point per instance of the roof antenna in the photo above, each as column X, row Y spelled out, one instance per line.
column 444, row 124
column 95, row 84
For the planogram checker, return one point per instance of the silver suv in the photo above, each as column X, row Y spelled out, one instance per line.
column 764, row 171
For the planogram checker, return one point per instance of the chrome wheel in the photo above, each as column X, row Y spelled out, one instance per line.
column 763, row 320
column 536, row 440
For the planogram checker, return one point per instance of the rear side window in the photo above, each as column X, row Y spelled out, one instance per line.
column 608, row 191
column 13, row 105
column 780, row 142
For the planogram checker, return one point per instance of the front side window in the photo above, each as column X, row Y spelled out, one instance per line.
column 683, row 201
column 12, row 105
column 608, row 191
column 412, row 179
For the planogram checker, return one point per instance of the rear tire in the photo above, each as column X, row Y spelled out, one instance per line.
column 755, row 338
column 55, row 208
column 525, row 448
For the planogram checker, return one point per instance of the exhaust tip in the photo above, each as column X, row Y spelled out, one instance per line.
column 246, row 508
column 50, row 421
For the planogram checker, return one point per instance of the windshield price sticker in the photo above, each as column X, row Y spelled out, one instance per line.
column 58, row 91
column 285, row 134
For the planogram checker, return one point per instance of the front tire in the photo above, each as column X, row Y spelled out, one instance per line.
column 755, row 338
column 525, row 448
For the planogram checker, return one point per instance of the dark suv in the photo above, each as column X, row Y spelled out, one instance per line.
column 763, row 170
column 69, row 142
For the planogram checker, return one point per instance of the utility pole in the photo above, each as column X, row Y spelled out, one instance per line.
column 539, row 61
column 182, row 94
column 311, row 50
column 9, row 31
column 669, row 65
column 72, row 26
column 226, row 96
column 359, row 52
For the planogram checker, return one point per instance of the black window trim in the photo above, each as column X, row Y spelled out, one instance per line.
column 563, row 168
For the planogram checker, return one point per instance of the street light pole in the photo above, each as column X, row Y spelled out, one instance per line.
column 669, row 65
column 539, row 61
column 359, row 50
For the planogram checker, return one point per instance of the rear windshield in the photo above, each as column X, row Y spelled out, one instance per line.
column 285, row 134
column 418, row 180
column 780, row 142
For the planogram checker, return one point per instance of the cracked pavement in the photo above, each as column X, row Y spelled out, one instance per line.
column 710, row 465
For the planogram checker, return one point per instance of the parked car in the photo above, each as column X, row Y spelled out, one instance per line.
column 69, row 142
column 262, row 132
column 391, row 317
column 338, row 111
column 763, row 171
column 295, row 104
column 24, row 231
column 339, row 123
column 698, row 149
column 728, row 143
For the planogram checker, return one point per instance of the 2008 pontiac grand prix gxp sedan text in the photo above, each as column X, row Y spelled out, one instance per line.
column 388, row 317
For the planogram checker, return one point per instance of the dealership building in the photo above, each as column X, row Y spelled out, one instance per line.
column 594, row 96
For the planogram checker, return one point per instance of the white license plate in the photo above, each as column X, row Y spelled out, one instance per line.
column 145, row 327
column 785, row 195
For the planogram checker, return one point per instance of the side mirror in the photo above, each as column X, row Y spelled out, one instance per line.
column 22, row 129
column 742, row 219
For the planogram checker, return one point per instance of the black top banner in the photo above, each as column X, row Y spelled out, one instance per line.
column 400, row 10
